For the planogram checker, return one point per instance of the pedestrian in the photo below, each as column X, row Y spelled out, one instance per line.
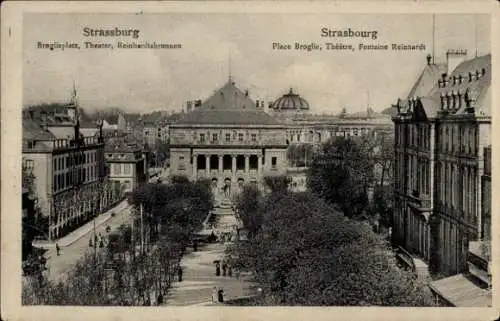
column 57, row 249
column 195, row 245
column 159, row 301
column 179, row 274
column 224, row 268
column 220, row 295
column 90, row 242
column 229, row 270
column 214, row 295
column 217, row 268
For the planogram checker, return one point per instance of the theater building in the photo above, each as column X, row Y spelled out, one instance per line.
column 229, row 139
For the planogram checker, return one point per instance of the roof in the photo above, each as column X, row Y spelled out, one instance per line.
column 427, row 80
column 228, row 117
column 62, row 132
column 461, row 291
column 229, row 97
column 228, row 106
column 33, row 131
column 290, row 101
column 472, row 76
column 121, row 146
column 478, row 88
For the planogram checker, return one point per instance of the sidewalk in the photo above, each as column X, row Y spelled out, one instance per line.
column 199, row 279
column 58, row 265
column 82, row 230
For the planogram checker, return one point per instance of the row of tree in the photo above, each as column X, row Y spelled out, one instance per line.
column 139, row 260
column 303, row 251
column 355, row 174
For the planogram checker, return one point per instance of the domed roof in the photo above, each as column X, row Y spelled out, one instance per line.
column 290, row 101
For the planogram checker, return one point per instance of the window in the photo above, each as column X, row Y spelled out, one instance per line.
column 228, row 137
column 182, row 166
column 126, row 169
column 117, row 169
column 214, row 137
column 240, row 137
column 273, row 162
column 254, row 137
column 202, row 138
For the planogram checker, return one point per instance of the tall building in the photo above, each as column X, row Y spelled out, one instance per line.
column 441, row 131
column 228, row 139
column 69, row 171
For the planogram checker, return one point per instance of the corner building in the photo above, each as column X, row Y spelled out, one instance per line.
column 440, row 141
column 228, row 139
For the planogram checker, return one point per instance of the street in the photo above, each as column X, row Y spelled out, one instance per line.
column 70, row 254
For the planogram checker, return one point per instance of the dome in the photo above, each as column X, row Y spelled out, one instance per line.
column 290, row 101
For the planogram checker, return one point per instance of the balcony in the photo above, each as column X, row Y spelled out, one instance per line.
column 201, row 173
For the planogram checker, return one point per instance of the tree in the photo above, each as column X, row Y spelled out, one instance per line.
column 307, row 253
column 300, row 154
column 162, row 151
column 248, row 209
column 341, row 173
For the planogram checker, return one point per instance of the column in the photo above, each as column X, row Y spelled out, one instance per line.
column 195, row 166
column 259, row 165
column 207, row 164
column 220, row 164
column 247, row 164
column 234, row 165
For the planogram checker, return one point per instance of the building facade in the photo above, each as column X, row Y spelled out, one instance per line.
column 439, row 140
column 126, row 165
column 68, row 168
column 229, row 140
column 304, row 127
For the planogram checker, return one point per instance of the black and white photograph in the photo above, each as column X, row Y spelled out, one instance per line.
column 255, row 159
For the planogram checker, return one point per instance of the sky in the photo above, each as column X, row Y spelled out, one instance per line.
column 216, row 44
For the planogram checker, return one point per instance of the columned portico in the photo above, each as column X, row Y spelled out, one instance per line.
column 232, row 164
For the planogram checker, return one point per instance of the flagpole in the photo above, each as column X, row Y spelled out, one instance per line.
column 142, row 232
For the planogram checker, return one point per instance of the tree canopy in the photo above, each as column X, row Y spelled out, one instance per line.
column 305, row 252
column 342, row 172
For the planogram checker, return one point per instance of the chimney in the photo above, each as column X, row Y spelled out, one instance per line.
column 197, row 103
column 454, row 58
column 189, row 106
column 444, row 80
column 429, row 59
column 257, row 104
column 43, row 117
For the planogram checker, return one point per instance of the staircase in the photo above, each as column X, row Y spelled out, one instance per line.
column 225, row 218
